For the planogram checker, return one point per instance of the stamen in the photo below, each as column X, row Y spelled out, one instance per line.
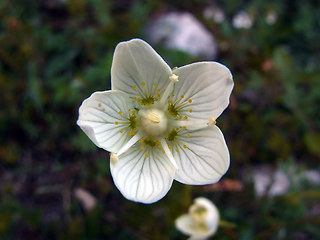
column 129, row 144
column 212, row 121
column 201, row 123
column 168, row 153
column 113, row 158
column 173, row 79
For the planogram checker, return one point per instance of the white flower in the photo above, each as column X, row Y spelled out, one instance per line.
column 242, row 20
column 216, row 14
column 271, row 17
column 158, row 123
column 202, row 220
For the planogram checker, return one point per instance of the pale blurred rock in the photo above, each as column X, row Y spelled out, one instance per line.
column 215, row 14
column 87, row 200
column 182, row 31
column 270, row 182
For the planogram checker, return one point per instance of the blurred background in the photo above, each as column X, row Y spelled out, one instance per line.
column 56, row 184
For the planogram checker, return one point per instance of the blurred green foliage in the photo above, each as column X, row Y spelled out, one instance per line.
column 55, row 53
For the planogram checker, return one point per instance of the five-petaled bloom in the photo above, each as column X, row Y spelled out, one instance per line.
column 159, row 123
column 202, row 220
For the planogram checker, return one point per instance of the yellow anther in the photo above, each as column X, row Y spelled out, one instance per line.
column 163, row 152
column 140, row 140
column 116, row 123
column 142, row 147
column 174, row 78
column 174, row 68
column 134, row 87
column 159, row 146
column 146, row 155
column 158, row 90
column 190, row 101
column 155, row 84
column 158, row 95
column 184, row 127
column 212, row 121
column 182, row 96
column 121, row 131
column 120, row 112
column 188, row 135
column 180, row 117
column 169, row 101
column 170, row 147
column 185, row 117
column 184, row 146
column 190, row 111
column 143, row 84
column 134, row 98
column 177, row 150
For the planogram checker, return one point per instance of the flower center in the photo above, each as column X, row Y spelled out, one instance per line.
column 153, row 121
column 198, row 213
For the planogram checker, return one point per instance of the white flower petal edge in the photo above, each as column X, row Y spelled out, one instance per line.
column 202, row 220
column 203, row 90
column 101, row 117
column 142, row 175
column 138, row 70
column 202, row 156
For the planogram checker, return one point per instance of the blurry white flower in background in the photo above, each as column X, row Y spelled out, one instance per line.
column 201, row 221
column 182, row 31
column 159, row 123
column 214, row 13
column 242, row 20
column 271, row 17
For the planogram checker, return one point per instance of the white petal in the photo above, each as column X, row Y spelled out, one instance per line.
column 207, row 85
column 142, row 179
column 202, row 158
column 188, row 226
column 98, row 116
column 139, row 70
